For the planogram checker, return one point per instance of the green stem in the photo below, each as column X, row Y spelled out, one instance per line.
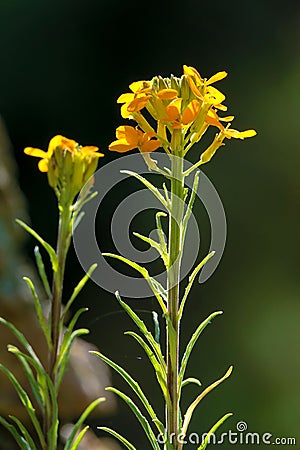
column 175, row 255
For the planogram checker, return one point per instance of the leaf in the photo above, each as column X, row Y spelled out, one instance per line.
column 190, row 205
column 154, row 285
column 143, row 421
column 53, row 413
column 159, row 372
column 14, row 432
column 134, row 386
column 156, row 246
column 160, row 231
column 194, row 404
column 142, row 327
column 24, row 431
column 23, row 396
column 42, row 272
column 191, row 344
column 191, row 380
column 84, row 415
column 150, row 186
column 30, row 377
column 50, row 250
column 39, row 311
column 213, row 430
column 118, row 436
column 77, row 290
column 191, row 281
column 79, row 438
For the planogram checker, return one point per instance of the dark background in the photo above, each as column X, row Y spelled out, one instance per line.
column 64, row 63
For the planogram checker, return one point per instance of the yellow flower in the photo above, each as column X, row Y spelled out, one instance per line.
column 129, row 138
column 202, row 88
column 176, row 117
column 68, row 164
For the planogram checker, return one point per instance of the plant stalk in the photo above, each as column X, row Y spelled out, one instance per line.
column 175, row 256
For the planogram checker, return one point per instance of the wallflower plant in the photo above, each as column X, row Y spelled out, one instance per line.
column 69, row 167
column 174, row 114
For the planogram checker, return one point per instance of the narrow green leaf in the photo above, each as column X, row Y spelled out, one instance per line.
column 42, row 272
column 22, row 394
column 191, row 344
column 191, row 380
column 21, row 338
column 213, row 430
column 156, row 246
column 194, row 404
column 64, row 356
column 160, row 231
column 119, row 437
column 150, row 186
column 39, row 311
column 50, row 250
column 29, row 374
column 77, row 290
column 142, row 419
column 159, row 371
column 52, row 413
column 191, row 281
column 142, row 327
column 79, row 438
column 134, row 386
column 84, row 415
column 154, row 285
column 190, row 205
column 24, row 431
column 14, row 432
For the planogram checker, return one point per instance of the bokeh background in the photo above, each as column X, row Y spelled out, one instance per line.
column 64, row 63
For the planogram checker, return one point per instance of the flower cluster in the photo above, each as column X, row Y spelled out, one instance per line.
column 189, row 104
column 68, row 164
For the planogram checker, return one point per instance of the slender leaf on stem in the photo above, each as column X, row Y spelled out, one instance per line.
column 213, row 430
column 150, row 186
column 42, row 272
column 21, row 338
column 191, row 380
column 194, row 404
column 142, row 327
column 142, row 419
column 156, row 246
column 50, row 250
column 61, row 364
column 77, row 290
column 22, row 394
column 190, row 205
column 22, row 443
column 134, row 386
column 24, row 432
column 79, row 438
column 159, row 371
column 160, row 231
column 191, row 344
column 119, row 437
column 80, row 421
column 39, row 312
column 52, row 412
column 191, row 281
column 155, row 286
column 29, row 374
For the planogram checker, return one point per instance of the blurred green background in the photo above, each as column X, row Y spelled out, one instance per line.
column 64, row 63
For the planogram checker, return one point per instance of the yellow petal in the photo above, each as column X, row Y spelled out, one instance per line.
column 213, row 96
column 35, row 152
column 129, row 134
column 151, row 146
column 239, row 134
column 173, row 110
column 43, row 165
column 125, row 98
column 124, row 112
column 62, row 142
column 120, row 146
column 167, row 94
column 138, row 103
column 217, row 77
column 138, row 85
column 227, row 119
column 191, row 71
column 190, row 112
